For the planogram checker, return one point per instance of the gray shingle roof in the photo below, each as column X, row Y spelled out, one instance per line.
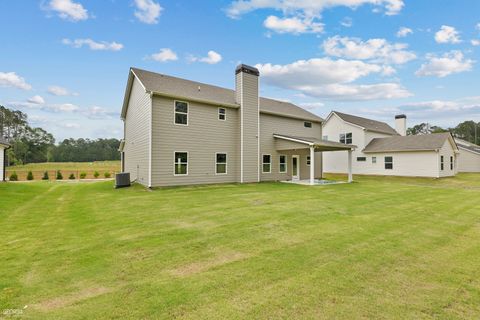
column 368, row 124
column 424, row 142
column 467, row 145
column 173, row 86
column 4, row 142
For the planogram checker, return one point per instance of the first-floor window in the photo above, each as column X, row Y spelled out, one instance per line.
column 181, row 163
column 389, row 163
column 325, row 137
column 451, row 163
column 374, row 159
column 361, row 159
column 266, row 163
column 441, row 163
column 221, row 163
column 283, row 164
column 308, row 160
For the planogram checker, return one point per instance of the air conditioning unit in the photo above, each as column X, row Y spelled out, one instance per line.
column 122, row 180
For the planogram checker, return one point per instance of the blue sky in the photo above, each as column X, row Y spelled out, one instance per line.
column 65, row 62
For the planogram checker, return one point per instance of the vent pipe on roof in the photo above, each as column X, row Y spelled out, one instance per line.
column 401, row 124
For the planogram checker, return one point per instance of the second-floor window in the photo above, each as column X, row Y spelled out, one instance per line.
column 307, row 124
column 181, row 113
column 346, row 138
column 222, row 114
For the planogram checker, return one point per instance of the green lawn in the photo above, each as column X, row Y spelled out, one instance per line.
column 395, row 248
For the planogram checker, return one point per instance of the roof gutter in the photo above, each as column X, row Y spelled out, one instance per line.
column 161, row 94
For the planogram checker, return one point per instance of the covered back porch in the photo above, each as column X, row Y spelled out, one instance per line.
column 295, row 145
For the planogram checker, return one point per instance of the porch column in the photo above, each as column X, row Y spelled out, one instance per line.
column 350, row 177
column 312, row 165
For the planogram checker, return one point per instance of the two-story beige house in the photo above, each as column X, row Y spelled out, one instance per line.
column 181, row 132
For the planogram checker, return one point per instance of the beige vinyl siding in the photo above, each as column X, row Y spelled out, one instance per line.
column 204, row 136
column 137, row 134
column 413, row 164
column 270, row 124
column 446, row 151
column 468, row 161
column 2, row 162
column 249, row 122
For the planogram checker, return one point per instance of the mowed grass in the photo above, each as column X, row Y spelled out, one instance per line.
column 389, row 248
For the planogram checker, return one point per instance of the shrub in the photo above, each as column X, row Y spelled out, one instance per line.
column 45, row 176
column 107, row 175
column 71, row 176
column 96, row 174
column 29, row 175
column 59, row 175
column 13, row 176
column 83, row 175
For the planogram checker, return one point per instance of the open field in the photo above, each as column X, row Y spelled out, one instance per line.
column 66, row 168
column 395, row 248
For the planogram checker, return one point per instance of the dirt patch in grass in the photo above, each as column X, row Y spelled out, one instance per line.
column 65, row 301
column 202, row 266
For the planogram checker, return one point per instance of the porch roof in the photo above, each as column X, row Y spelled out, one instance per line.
column 307, row 142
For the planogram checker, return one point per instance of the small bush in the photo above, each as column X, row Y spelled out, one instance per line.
column 96, row 174
column 13, row 176
column 83, row 175
column 29, row 175
column 59, row 175
column 107, row 175
column 71, row 176
column 45, row 176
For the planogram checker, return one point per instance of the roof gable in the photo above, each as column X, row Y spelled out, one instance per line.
column 427, row 142
column 169, row 86
column 367, row 124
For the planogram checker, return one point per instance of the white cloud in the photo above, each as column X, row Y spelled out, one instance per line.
column 475, row 42
column 11, row 79
column 449, row 63
column 447, row 34
column 293, row 25
column 331, row 79
column 372, row 49
column 347, row 22
column 94, row 45
column 403, row 32
column 164, row 55
column 36, row 100
column 308, row 7
column 211, row 58
column 68, row 10
column 312, row 105
column 477, row 26
column 65, row 107
column 302, row 16
column 147, row 11
column 60, row 91
column 99, row 113
column 70, row 125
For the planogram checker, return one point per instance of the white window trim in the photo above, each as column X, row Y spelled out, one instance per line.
column 226, row 164
column 270, row 163
column 345, row 134
column 374, row 160
column 175, row 163
column 279, row 163
column 224, row 114
column 175, row 112
column 308, row 161
column 442, row 163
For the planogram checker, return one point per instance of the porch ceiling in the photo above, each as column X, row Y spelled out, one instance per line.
column 286, row 142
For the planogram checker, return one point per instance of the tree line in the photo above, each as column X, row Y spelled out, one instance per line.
column 467, row 130
column 33, row 144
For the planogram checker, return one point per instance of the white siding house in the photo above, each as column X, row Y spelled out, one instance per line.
column 469, row 157
column 382, row 150
column 3, row 150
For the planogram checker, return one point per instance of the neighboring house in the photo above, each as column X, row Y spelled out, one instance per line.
column 382, row 150
column 181, row 132
column 3, row 158
column 469, row 157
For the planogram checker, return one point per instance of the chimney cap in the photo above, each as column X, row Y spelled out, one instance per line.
column 247, row 69
column 400, row 116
